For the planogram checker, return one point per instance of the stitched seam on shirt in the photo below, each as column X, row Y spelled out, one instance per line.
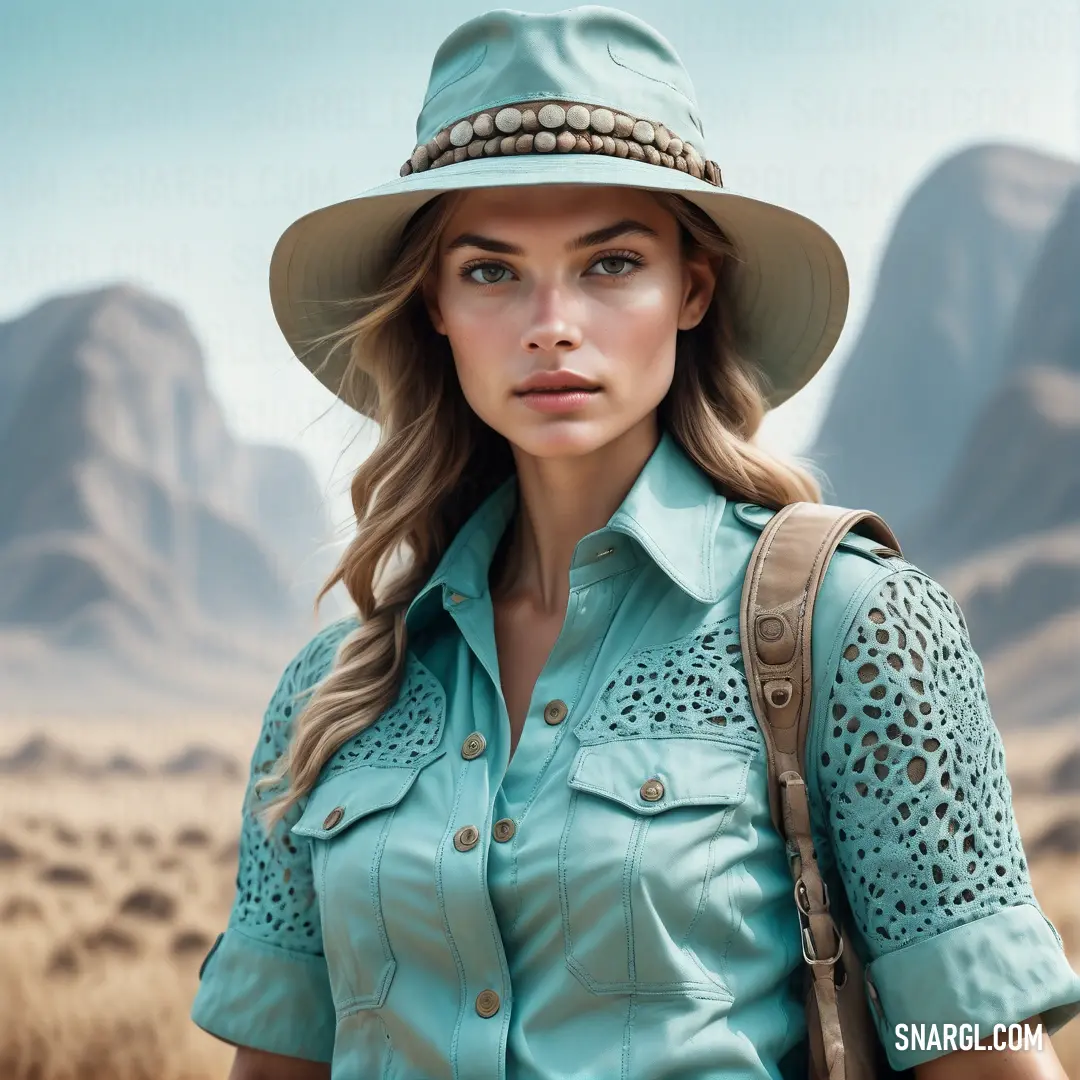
column 376, row 899
column 628, row 1031
column 646, row 811
column 633, row 857
column 598, row 644
column 706, row 988
column 290, row 953
column 707, row 884
column 708, row 542
column 318, row 875
column 390, row 1044
column 586, row 666
column 647, row 541
column 564, row 897
column 489, row 912
column 736, row 919
column 514, row 879
column 730, row 741
column 357, row 1002
column 452, row 945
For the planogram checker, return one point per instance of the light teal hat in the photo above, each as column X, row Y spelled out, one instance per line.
column 590, row 95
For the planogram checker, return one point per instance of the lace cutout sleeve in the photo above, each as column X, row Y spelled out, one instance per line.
column 911, row 772
column 275, row 897
column 265, row 982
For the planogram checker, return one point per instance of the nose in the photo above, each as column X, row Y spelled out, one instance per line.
column 553, row 323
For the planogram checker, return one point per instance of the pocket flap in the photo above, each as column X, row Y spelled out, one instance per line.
column 692, row 772
column 355, row 793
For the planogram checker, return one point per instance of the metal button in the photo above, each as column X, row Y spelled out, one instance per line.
column 503, row 829
column 466, row 837
column 487, row 1003
column 652, row 790
column 473, row 746
column 555, row 711
column 333, row 817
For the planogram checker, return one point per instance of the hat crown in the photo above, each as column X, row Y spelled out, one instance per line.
column 592, row 54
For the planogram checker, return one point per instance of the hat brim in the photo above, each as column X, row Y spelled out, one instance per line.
column 791, row 290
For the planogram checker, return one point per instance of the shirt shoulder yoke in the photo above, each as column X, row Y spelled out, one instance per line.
column 755, row 517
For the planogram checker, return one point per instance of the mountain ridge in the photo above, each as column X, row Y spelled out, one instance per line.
column 136, row 521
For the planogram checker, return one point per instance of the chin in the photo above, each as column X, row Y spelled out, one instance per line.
column 565, row 437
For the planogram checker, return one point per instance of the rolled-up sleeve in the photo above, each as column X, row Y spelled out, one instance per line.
column 265, row 983
column 999, row 969
column 256, row 994
column 914, row 817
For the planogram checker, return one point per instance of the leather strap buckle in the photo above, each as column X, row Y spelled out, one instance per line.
column 806, row 939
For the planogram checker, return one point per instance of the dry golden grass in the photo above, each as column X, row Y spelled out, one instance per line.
column 112, row 889
column 112, row 892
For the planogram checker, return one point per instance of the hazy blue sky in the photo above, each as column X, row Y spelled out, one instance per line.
column 170, row 143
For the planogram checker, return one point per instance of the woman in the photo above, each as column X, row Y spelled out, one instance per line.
column 522, row 825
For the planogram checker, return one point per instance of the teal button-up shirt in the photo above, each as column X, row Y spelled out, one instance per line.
column 614, row 901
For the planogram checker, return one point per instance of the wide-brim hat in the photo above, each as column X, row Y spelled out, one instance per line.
column 593, row 96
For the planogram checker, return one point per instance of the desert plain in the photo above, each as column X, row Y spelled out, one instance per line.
column 118, row 848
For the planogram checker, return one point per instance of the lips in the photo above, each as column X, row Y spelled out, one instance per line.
column 556, row 382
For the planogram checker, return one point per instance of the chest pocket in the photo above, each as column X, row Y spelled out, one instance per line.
column 646, row 860
column 347, row 819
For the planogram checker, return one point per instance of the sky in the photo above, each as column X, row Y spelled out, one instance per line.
column 169, row 144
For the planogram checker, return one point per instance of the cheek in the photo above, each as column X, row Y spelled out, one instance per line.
column 480, row 345
column 640, row 334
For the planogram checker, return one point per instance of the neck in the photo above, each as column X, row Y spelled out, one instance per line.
column 560, row 500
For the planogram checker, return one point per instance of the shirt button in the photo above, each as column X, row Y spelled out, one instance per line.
column 652, row 790
column 333, row 817
column 466, row 837
column 555, row 711
column 503, row 829
column 473, row 746
column 487, row 1003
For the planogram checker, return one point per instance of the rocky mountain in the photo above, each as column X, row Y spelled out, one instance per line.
column 1004, row 535
column 934, row 346
column 143, row 548
column 1026, row 439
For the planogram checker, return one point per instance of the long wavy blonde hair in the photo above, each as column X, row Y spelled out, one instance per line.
column 436, row 461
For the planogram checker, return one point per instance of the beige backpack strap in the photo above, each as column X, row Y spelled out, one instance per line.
column 781, row 584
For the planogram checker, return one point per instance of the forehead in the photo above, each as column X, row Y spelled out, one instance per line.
column 556, row 209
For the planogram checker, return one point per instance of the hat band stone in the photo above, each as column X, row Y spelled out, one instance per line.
column 544, row 127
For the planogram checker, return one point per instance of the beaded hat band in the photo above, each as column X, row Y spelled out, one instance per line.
column 545, row 127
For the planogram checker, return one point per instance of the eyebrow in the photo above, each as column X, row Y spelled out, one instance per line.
column 626, row 227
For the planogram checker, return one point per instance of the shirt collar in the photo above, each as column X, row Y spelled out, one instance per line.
column 672, row 511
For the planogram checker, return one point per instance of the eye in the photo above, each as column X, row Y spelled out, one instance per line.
column 488, row 273
column 622, row 265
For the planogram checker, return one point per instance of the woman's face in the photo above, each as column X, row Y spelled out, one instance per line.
column 564, row 278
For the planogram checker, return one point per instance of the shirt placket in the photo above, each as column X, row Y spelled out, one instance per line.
column 479, row 1049
column 492, row 791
